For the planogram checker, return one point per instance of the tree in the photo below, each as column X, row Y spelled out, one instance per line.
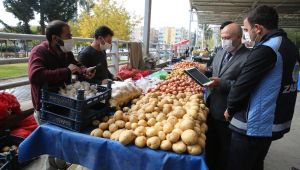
column 55, row 10
column 106, row 12
column 23, row 10
column 86, row 5
column 207, row 32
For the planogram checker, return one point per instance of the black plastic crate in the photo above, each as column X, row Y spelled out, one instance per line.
column 10, row 161
column 61, row 116
column 79, row 104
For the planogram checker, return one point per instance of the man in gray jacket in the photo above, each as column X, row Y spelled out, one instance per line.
column 227, row 65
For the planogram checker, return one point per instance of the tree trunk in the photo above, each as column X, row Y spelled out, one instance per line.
column 27, row 28
column 42, row 21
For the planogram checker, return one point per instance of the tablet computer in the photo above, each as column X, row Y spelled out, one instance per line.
column 199, row 77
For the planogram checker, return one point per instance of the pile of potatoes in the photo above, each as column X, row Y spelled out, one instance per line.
column 159, row 121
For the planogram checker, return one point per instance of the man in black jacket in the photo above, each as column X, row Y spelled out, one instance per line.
column 262, row 100
column 227, row 65
column 95, row 54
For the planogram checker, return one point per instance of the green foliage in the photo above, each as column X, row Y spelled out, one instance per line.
column 23, row 10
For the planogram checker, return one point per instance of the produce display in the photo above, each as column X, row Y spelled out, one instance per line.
column 178, row 84
column 188, row 64
column 123, row 93
column 199, row 52
column 171, row 122
column 71, row 89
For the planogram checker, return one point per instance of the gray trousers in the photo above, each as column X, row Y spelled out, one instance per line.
column 52, row 163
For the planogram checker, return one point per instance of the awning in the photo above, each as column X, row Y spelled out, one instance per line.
column 182, row 42
column 218, row 11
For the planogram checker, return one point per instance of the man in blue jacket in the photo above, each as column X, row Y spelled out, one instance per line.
column 261, row 102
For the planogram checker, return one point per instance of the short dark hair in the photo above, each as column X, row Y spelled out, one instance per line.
column 54, row 28
column 263, row 15
column 103, row 31
column 224, row 24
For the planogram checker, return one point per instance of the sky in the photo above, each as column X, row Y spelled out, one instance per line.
column 172, row 13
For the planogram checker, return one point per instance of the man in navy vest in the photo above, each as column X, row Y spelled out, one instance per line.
column 261, row 102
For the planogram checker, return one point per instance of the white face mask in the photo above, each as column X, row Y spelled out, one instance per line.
column 106, row 46
column 247, row 36
column 227, row 45
column 68, row 46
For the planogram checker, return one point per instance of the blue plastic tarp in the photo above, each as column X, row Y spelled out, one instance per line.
column 102, row 154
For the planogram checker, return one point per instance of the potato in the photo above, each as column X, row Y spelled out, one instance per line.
column 142, row 116
column 125, row 109
column 149, row 108
column 151, row 132
column 177, row 130
column 201, row 142
column 103, row 126
column 149, row 116
column 167, row 110
column 140, row 131
column 113, row 127
column 134, row 101
column 187, row 116
column 202, row 116
column 179, row 112
column 194, row 149
column 160, row 117
column 155, row 114
column 125, row 118
column 173, row 137
column 126, row 137
column 134, row 126
column 172, row 119
column 118, row 115
column 168, row 127
column 192, row 113
column 177, row 125
column 203, row 127
column 195, row 107
column 128, row 125
column 120, row 124
column 96, row 123
column 203, row 136
column 197, row 130
column 5, row 149
column 160, row 105
column 187, row 124
column 189, row 137
column 166, row 145
column 97, row 132
column 151, row 122
column 161, row 135
column 134, row 107
column 106, row 134
column 202, row 106
column 140, row 141
column 156, row 109
column 133, row 119
column 179, row 147
column 116, row 134
column 157, row 124
column 153, row 142
column 142, row 123
column 111, row 121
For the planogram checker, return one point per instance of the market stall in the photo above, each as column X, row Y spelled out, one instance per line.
column 156, row 123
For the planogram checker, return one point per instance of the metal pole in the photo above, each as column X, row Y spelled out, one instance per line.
column 190, row 25
column 147, row 22
column 115, row 55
